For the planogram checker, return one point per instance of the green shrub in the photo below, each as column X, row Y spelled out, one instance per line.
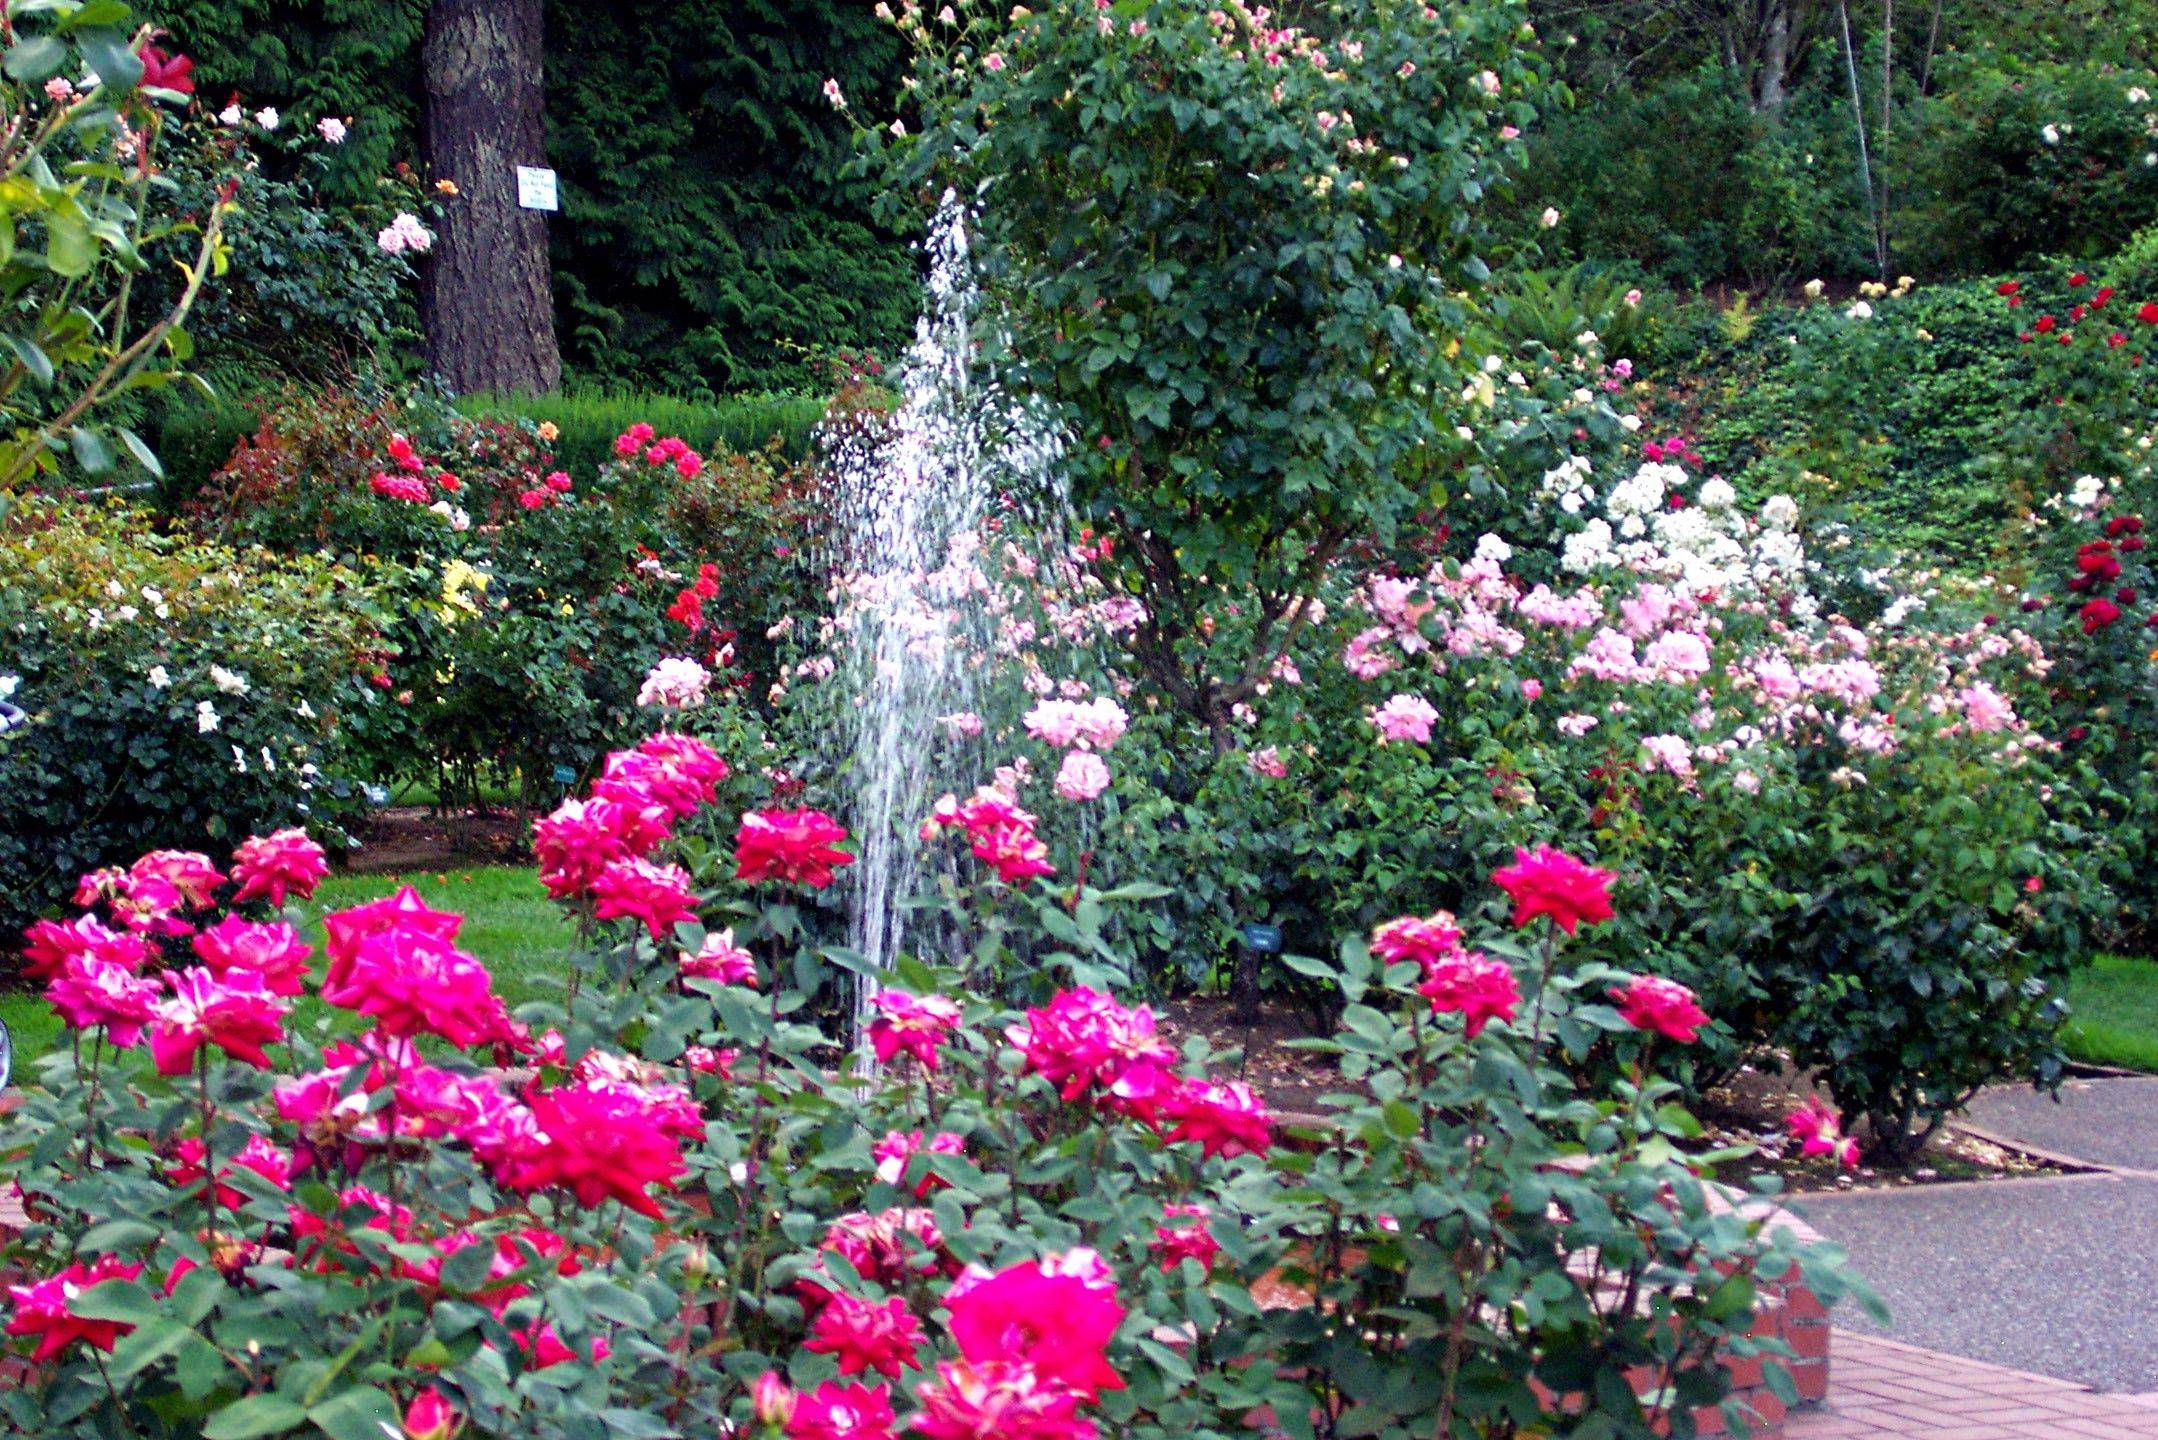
column 2011, row 160
column 587, row 421
column 1687, row 179
column 181, row 694
column 1239, row 282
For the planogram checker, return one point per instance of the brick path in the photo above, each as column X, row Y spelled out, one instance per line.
column 1885, row 1390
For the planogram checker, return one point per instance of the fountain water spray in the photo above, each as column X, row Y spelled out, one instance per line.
column 928, row 500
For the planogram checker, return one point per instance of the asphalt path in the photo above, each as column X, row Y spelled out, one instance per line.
column 2057, row 1275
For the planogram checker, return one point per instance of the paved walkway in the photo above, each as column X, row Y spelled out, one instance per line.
column 2053, row 1275
column 1884, row 1390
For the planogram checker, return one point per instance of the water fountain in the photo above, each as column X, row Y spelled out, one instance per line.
column 960, row 468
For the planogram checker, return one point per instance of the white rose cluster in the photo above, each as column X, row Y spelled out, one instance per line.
column 1647, row 523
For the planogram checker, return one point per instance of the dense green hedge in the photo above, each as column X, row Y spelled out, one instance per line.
column 589, row 421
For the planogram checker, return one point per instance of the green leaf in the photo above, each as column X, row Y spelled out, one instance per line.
column 69, row 249
column 362, row 1413
column 254, row 1416
column 91, row 451
column 38, row 58
column 147, row 1344
column 116, row 65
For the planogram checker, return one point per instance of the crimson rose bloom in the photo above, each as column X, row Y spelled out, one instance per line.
column 41, row 1309
column 1650, row 1002
column 1224, row 1116
column 167, row 72
column 1056, row 1316
column 1551, row 882
column 662, row 896
column 789, row 845
column 601, row 1141
column 867, row 1335
column 2098, row 614
column 1476, row 987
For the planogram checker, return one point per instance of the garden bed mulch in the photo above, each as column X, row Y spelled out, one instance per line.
column 421, row 838
column 1750, row 1109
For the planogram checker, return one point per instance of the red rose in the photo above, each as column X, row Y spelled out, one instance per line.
column 789, row 845
column 167, row 72
column 1650, row 1002
column 1551, row 882
column 2097, row 614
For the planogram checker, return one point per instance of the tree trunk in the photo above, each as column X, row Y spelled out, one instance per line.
column 487, row 294
column 1771, row 91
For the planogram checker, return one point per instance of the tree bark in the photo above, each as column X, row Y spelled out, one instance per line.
column 487, row 294
column 1770, row 92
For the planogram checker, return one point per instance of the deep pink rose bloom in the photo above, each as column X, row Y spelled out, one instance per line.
column 236, row 1012
column 429, row 1417
column 898, row 1148
column 1819, row 1130
column 582, row 837
column 274, row 951
column 1056, row 1316
column 414, row 982
column 911, row 1024
column 719, row 958
column 50, row 944
column 1551, row 882
column 1223, row 1116
column 1475, row 987
column 345, row 930
column 689, row 755
column 271, row 867
column 661, row 896
column 543, row 1347
column 889, row 1248
column 795, row 845
column 1423, row 941
column 188, row 872
column 842, row 1412
column 259, row 1155
column 867, row 1335
column 42, row 1308
column 677, row 784
column 161, row 71
column 1650, row 1002
column 1083, row 1039
column 997, row 1401
column 89, row 992
column 601, row 1142
column 1175, row 1242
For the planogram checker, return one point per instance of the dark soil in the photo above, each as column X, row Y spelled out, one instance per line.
column 420, row 838
column 1288, row 1080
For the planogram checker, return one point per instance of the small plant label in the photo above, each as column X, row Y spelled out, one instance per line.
column 536, row 188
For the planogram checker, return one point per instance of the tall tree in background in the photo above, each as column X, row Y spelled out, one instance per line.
column 487, row 292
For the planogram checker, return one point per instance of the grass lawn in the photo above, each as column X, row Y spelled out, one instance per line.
column 510, row 926
column 2113, row 1004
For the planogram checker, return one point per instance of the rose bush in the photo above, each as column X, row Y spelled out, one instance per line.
column 532, row 605
column 677, row 1201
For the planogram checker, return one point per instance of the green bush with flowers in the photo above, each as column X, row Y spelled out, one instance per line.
column 682, row 1200
column 529, row 605
column 178, row 693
